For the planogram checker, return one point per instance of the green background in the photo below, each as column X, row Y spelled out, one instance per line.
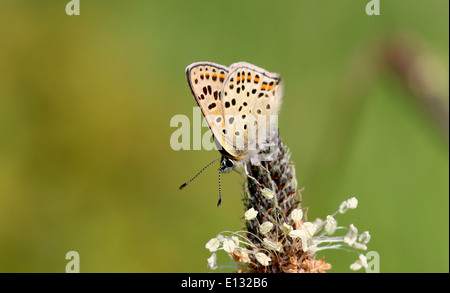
column 85, row 109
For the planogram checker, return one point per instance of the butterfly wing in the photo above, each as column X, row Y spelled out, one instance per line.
column 206, row 81
column 251, row 102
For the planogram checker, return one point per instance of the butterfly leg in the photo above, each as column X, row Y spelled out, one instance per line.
column 269, row 177
column 250, row 176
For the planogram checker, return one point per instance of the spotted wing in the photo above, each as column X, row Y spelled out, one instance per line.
column 206, row 82
column 251, row 102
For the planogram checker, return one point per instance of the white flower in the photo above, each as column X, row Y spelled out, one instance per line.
column 364, row 238
column 296, row 215
column 307, row 230
column 229, row 245
column 356, row 265
column 294, row 182
column 330, row 225
column 265, row 227
column 309, row 246
column 235, row 239
column 343, row 207
column 351, row 236
column 213, row 244
column 286, row 228
column 361, row 262
column 262, row 258
column 310, row 228
column 303, row 235
column 267, row 193
column 245, row 258
column 359, row 246
column 352, row 203
column 318, row 222
column 250, row 214
column 212, row 262
column 297, row 233
column 272, row 245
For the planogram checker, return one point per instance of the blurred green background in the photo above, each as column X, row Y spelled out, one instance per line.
column 86, row 102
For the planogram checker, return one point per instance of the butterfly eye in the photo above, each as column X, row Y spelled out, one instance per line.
column 229, row 163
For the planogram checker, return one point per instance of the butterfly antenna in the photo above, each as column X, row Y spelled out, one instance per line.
column 184, row 185
column 220, row 191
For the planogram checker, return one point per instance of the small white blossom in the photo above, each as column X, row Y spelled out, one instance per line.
column 352, row 203
column 361, row 262
column 356, row 265
column 235, row 239
column 272, row 245
column 343, row 207
column 310, row 246
column 229, row 245
column 296, row 215
column 359, row 246
column 364, row 238
column 213, row 244
column 294, row 182
column 212, row 262
column 351, row 236
column 306, row 231
column 245, row 257
column 330, row 225
column 262, row 258
column 286, row 228
column 297, row 233
column 305, row 246
column 363, row 259
column 265, row 227
column 310, row 228
column 307, row 241
column 250, row 214
column 267, row 193
column 318, row 222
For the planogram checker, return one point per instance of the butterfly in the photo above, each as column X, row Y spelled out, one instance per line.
column 240, row 104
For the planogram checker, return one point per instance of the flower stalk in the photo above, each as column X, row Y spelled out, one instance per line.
column 277, row 238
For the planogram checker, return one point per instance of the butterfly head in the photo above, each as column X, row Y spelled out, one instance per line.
column 226, row 165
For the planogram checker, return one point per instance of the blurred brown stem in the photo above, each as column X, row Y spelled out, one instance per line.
column 398, row 54
column 405, row 60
